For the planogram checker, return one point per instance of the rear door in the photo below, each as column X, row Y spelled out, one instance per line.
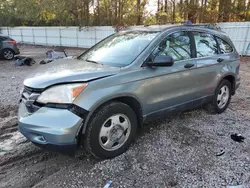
column 229, row 57
column 208, row 63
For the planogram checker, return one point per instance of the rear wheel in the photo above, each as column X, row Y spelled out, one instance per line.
column 111, row 130
column 8, row 54
column 221, row 98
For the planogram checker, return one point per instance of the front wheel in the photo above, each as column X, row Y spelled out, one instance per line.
column 111, row 130
column 221, row 98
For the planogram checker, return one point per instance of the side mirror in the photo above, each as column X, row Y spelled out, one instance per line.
column 162, row 61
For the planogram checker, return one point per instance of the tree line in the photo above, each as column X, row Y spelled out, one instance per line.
column 119, row 12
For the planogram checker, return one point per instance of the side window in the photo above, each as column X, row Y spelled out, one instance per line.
column 205, row 44
column 224, row 46
column 176, row 45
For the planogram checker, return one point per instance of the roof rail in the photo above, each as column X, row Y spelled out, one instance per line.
column 208, row 26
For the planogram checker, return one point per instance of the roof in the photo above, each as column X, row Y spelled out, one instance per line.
column 165, row 27
column 149, row 27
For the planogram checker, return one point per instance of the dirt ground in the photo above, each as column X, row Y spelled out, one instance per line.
column 179, row 151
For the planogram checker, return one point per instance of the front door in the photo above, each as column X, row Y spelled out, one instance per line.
column 171, row 87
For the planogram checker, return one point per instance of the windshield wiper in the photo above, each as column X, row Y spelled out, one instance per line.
column 91, row 61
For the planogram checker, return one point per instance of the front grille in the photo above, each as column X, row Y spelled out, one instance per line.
column 29, row 96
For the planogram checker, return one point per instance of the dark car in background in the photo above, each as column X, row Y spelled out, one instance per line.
column 8, row 48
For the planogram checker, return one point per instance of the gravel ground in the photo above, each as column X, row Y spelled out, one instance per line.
column 178, row 151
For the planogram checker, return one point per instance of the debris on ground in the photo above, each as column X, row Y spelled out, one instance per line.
column 237, row 138
column 56, row 54
column 107, row 184
column 236, row 186
column 222, row 152
column 22, row 60
column 45, row 61
column 52, row 55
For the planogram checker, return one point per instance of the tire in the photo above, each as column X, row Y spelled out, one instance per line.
column 111, row 130
column 218, row 106
column 8, row 54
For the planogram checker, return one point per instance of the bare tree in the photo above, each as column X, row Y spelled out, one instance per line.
column 98, row 12
column 248, row 11
column 166, row 9
column 201, row 11
column 173, row 11
column 138, row 12
column 221, row 10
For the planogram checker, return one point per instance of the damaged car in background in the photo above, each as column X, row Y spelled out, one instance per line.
column 99, row 99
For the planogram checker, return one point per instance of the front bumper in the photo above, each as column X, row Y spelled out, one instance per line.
column 51, row 128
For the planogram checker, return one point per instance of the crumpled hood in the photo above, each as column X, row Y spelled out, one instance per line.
column 67, row 70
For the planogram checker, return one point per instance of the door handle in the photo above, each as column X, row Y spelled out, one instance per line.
column 188, row 65
column 220, row 60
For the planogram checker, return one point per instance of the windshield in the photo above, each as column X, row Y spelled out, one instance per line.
column 120, row 49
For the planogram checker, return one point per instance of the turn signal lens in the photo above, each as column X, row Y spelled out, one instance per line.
column 77, row 90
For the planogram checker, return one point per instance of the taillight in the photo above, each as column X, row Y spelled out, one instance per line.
column 12, row 42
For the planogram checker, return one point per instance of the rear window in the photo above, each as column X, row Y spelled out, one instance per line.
column 224, row 46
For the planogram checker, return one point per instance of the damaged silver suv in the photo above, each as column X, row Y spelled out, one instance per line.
column 99, row 99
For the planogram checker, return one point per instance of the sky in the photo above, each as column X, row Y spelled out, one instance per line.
column 151, row 6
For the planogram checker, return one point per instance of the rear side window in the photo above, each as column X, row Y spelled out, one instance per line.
column 205, row 44
column 224, row 46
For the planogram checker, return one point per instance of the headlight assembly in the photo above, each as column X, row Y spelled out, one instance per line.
column 61, row 94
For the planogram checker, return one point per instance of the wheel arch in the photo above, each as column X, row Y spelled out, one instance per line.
column 7, row 49
column 130, row 100
column 231, row 79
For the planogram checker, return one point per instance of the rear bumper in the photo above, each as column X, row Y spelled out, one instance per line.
column 50, row 128
column 16, row 50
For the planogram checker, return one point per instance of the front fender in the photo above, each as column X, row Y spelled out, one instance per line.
column 92, row 98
